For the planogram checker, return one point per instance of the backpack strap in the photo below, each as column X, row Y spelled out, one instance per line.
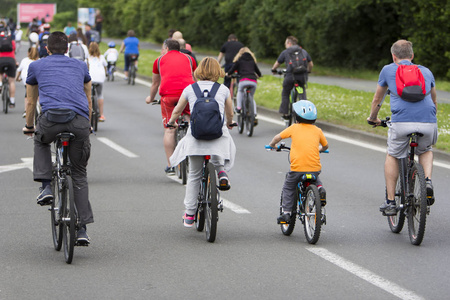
column 212, row 93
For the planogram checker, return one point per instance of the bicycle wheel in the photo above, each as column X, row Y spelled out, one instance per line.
column 313, row 214
column 183, row 171
column 134, row 75
column 396, row 222
column 234, row 91
column 417, row 211
column 211, row 209
column 95, row 113
column 55, row 209
column 69, row 219
column 241, row 117
column 287, row 229
column 250, row 115
column 5, row 98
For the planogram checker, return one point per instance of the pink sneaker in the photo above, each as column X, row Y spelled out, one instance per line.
column 188, row 220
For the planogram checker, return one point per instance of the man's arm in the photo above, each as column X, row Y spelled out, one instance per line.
column 434, row 96
column 275, row 65
column 219, row 58
column 32, row 95
column 87, row 91
column 156, row 80
column 376, row 104
column 310, row 66
column 229, row 111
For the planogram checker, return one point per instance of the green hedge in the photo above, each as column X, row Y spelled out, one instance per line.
column 355, row 34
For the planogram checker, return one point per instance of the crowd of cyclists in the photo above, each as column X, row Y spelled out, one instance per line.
column 174, row 74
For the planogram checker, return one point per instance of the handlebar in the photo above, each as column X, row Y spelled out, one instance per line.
column 283, row 146
column 234, row 124
column 156, row 102
column 279, row 72
column 382, row 124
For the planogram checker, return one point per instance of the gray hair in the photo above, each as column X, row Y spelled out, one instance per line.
column 402, row 49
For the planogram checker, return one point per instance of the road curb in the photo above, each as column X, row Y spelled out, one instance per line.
column 352, row 133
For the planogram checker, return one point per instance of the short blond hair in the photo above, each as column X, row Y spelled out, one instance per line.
column 209, row 69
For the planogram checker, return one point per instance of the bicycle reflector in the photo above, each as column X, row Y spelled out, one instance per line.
column 414, row 144
column 208, row 157
column 65, row 143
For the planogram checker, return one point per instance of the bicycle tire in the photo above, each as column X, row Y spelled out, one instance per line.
column 313, row 214
column 55, row 209
column 134, row 75
column 200, row 218
column 5, row 98
column 396, row 222
column 183, row 171
column 287, row 229
column 70, row 219
column 95, row 112
column 211, row 207
column 234, row 87
column 250, row 115
column 417, row 211
column 241, row 117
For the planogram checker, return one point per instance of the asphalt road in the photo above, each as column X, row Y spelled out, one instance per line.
column 140, row 249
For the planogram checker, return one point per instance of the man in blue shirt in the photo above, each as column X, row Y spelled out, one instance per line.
column 63, row 85
column 407, row 117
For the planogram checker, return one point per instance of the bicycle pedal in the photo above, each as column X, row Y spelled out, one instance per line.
column 82, row 243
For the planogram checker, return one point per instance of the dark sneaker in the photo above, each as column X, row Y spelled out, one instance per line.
column 285, row 117
column 45, row 196
column 170, row 171
column 430, row 192
column 284, row 219
column 82, row 237
column 188, row 220
column 388, row 209
column 12, row 105
column 237, row 110
column 323, row 195
column 224, row 182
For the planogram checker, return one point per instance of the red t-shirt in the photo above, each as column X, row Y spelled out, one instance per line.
column 10, row 54
column 175, row 69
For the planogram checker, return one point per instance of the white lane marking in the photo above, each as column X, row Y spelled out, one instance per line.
column 352, row 141
column 226, row 203
column 137, row 80
column 116, row 147
column 27, row 162
column 365, row 274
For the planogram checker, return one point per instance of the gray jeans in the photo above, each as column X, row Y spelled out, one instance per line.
column 194, row 180
column 290, row 188
column 79, row 152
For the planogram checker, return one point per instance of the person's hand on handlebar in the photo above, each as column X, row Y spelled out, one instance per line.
column 28, row 130
column 374, row 122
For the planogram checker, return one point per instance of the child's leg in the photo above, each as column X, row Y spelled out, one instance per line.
column 289, row 191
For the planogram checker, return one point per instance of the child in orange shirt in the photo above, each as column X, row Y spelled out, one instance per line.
column 308, row 141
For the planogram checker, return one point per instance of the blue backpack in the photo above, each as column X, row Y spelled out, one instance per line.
column 206, row 120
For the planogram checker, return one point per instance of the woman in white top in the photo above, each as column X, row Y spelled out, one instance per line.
column 222, row 150
column 22, row 70
column 97, row 69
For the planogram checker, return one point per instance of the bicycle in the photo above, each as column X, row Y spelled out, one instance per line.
column 5, row 90
column 298, row 92
column 246, row 118
column 95, row 109
column 111, row 70
column 183, row 167
column 133, row 69
column 64, row 216
column 410, row 193
column 309, row 207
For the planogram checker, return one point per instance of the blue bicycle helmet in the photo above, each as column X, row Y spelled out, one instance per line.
column 306, row 111
column 111, row 44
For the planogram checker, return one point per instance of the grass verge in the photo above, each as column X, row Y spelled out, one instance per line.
column 335, row 105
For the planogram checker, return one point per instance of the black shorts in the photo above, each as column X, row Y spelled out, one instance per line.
column 10, row 63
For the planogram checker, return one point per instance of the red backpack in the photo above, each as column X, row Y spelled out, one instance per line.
column 410, row 83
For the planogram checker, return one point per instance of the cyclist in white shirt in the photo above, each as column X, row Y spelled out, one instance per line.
column 22, row 70
column 111, row 55
column 97, row 69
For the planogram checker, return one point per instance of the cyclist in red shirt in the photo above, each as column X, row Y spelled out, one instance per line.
column 172, row 73
column 8, row 59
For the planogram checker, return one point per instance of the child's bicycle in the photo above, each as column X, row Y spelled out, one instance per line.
column 410, row 193
column 111, row 69
column 309, row 206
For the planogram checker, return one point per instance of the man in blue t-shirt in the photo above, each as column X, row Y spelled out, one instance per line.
column 407, row 117
column 63, row 85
